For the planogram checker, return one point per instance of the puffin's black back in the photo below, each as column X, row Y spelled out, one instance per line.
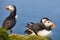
column 35, row 27
column 9, row 23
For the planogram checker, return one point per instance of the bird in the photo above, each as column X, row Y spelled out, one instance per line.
column 10, row 21
column 43, row 28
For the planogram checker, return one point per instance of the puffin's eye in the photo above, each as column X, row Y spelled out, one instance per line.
column 48, row 22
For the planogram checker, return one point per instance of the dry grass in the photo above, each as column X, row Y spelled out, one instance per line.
column 30, row 37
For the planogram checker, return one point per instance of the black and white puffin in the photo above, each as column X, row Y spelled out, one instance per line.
column 10, row 21
column 42, row 29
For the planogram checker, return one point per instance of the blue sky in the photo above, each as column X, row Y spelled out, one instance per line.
column 32, row 11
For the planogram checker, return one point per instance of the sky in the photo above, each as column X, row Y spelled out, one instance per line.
column 32, row 11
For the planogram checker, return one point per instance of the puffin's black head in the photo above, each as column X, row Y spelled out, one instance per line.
column 43, row 19
column 47, row 22
column 12, row 8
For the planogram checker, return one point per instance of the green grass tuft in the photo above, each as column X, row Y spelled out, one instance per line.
column 3, row 34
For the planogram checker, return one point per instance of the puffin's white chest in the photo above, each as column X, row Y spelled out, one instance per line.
column 16, row 16
column 45, row 33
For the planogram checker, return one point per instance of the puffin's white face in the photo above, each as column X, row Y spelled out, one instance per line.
column 11, row 8
column 48, row 23
column 44, row 20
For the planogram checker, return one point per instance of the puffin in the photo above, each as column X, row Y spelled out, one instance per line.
column 43, row 28
column 10, row 21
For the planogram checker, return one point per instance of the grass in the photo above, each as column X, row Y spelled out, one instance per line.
column 5, row 36
column 17, row 37
column 30, row 37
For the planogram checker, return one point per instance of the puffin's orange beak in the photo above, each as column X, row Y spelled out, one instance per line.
column 7, row 8
column 53, row 26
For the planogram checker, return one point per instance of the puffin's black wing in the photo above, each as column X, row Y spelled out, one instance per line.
column 32, row 23
column 35, row 27
column 9, row 23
